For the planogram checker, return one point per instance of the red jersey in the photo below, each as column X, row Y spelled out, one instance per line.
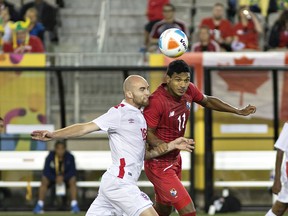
column 283, row 39
column 154, row 9
column 169, row 115
column 247, row 35
column 224, row 27
column 34, row 45
column 211, row 47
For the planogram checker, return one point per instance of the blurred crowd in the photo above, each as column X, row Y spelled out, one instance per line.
column 29, row 28
column 238, row 26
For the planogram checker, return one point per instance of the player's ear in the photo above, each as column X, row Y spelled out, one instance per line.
column 129, row 95
column 167, row 79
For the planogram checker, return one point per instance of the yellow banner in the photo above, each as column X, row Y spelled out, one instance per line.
column 22, row 96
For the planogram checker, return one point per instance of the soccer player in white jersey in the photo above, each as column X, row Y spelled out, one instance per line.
column 127, row 131
column 280, row 185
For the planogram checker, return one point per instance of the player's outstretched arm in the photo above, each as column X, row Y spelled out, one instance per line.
column 215, row 103
column 276, row 188
column 180, row 143
column 74, row 130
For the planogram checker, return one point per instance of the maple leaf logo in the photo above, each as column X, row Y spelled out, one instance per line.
column 244, row 81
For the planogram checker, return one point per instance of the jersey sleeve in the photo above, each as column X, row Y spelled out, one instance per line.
column 197, row 95
column 109, row 121
column 153, row 112
column 282, row 141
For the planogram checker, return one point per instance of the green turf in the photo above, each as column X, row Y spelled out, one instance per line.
column 83, row 213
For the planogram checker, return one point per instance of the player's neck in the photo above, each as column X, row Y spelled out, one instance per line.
column 132, row 103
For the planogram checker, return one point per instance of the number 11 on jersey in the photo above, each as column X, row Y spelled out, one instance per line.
column 181, row 121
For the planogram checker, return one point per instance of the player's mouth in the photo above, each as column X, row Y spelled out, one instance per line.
column 181, row 91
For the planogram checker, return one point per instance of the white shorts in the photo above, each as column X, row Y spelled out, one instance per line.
column 283, row 194
column 118, row 197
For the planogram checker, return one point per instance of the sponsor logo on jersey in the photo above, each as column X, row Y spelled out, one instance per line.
column 188, row 105
column 171, row 113
column 131, row 121
column 144, row 196
column 173, row 192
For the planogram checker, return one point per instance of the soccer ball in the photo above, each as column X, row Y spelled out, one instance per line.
column 173, row 42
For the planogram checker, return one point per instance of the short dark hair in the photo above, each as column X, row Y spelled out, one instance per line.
column 60, row 142
column 171, row 6
column 177, row 66
column 1, row 119
column 218, row 4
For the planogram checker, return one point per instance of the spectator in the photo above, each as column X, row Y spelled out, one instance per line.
column 154, row 14
column 35, row 28
column 1, row 125
column 21, row 41
column 59, row 170
column 5, row 16
column 205, row 43
column 13, row 13
column 220, row 28
column 279, row 33
column 169, row 21
column 1, row 35
column 247, row 30
column 47, row 15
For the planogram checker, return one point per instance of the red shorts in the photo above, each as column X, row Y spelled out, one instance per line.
column 166, row 178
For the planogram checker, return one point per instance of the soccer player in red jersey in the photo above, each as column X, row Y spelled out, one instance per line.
column 166, row 116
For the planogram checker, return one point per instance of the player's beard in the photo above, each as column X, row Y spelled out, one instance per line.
column 141, row 102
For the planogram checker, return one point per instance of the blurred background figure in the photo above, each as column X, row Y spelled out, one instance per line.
column 5, row 20
column 1, row 125
column 35, row 28
column 59, row 170
column 247, row 31
column 221, row 28
column 22, row 42
column 1, row 35
column 11, row 9
column 154, row 14
column 278, row 38
column 47, row 15
column 169, row 21
column 205, row 43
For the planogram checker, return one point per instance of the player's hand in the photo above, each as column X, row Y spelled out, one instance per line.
column 247, row 110
column 185, row 144
column 276, row 188
column 42, row 135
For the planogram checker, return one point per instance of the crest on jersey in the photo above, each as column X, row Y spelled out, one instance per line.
column 188, row 105
column 173, row 192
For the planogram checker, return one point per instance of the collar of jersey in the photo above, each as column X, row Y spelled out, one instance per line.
column 130, row 106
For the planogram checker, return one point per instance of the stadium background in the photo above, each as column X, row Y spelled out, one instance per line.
column 88, row 94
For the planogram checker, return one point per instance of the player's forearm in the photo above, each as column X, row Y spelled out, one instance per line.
column 219, row 105
column 159, row 150
column 72, row 131
column 278, row 164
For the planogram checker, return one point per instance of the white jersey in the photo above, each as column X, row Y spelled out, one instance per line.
column 282, row 144
column 127, row 131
